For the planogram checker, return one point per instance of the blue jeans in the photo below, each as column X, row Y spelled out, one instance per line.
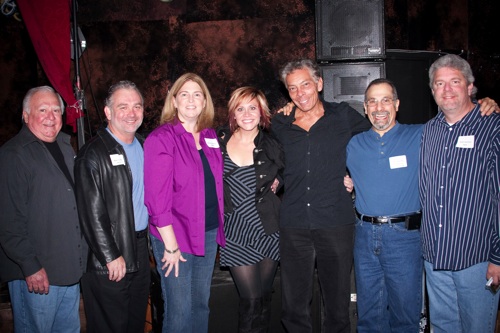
column 56, row 312
column 388, row 267
column 330, row 250
column 186, row 297
column 459, row 300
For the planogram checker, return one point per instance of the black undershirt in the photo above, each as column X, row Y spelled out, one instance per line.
column 211, row 205
column 56, row 153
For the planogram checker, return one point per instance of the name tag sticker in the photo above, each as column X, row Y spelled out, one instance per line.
column 466, row 141
column 212, row 143
column 117, row 159
column 397, row 162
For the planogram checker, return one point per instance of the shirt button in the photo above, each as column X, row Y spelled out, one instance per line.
column 308, row 205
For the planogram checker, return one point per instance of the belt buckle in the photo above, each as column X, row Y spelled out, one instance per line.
column 382, row 219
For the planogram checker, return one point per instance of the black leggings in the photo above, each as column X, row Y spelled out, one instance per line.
column 253, row 281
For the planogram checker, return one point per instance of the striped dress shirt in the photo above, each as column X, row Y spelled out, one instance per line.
column 459, row 191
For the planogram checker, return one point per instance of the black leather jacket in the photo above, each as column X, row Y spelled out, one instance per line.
column 269, row 164
column 104, row 199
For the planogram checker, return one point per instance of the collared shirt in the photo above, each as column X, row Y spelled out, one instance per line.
column 459, row 190
column 135, row 158
column 315, row 165
column 174, row 184
column 385, row 170
column 39, row 225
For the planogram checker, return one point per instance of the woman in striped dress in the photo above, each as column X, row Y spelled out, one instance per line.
column 252, row 163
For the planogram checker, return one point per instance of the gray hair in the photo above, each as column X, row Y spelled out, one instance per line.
column 455, row 62
column 381, row 81
column 308, row 64
column 124, row 84
column 33, row 91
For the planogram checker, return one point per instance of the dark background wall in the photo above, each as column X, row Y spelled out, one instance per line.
column 230, row 44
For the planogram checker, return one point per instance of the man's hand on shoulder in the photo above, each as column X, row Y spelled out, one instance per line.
column 287, row 109
column 38, row 283
column 488, row 106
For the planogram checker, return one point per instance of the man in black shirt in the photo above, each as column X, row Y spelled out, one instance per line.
column 317, row 219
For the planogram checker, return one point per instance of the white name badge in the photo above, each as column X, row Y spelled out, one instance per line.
column 397, row 162
column 117, row 159
column 466, row 141
column 212, row 143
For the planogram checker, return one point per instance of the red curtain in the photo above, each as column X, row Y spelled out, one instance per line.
column 48, row 24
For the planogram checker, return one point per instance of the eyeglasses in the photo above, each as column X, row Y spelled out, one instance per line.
column 374, row 102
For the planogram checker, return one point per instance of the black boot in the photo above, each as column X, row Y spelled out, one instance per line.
column 249, row 315
column 265, row 317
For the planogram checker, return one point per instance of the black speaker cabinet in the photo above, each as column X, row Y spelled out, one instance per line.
column 347, row 82
column 349, row 29
column 409, row 70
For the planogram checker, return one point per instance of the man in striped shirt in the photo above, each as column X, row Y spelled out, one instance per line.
column 459, row 191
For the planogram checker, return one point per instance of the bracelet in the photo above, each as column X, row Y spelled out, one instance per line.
column 173, row 251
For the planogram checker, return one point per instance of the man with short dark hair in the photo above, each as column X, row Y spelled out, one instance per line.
column 42, row 253
column 109, row 173
column 388, row 265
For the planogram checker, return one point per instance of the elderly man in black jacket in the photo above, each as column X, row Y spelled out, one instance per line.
column 42, row 251
column 110, row 196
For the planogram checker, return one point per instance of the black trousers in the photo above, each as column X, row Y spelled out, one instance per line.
column 331, row 252
column 118, row 307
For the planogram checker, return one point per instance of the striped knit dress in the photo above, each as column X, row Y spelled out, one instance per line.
column 246, row 241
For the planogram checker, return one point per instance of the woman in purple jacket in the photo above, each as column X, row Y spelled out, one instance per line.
column 184, row 195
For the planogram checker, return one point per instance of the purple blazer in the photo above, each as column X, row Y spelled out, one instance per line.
column 174, row 188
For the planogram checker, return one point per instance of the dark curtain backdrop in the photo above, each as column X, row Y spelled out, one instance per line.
column 48, row 24
column 230, row 44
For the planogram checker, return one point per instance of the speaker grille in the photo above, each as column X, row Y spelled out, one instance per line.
column 346, row 82
column 349, row 29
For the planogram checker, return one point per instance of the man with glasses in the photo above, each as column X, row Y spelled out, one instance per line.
column 388, row 263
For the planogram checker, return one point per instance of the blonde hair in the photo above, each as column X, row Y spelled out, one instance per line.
column 169, row 112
